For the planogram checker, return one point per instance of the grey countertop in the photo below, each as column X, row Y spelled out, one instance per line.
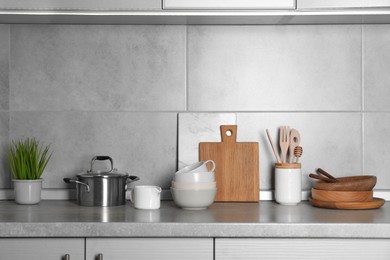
column 53, row 218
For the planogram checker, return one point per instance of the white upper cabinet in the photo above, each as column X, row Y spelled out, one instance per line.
column 228, row 4
column 80, row 5
column 342, row 4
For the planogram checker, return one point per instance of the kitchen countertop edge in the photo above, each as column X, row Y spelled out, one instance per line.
column 246, row 220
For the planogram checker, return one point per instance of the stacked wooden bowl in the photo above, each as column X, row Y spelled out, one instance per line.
column 354, row 192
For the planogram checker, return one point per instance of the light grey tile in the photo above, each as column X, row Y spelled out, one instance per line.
column 5, row 174
column 246, row 68
column 331, row 141
column 376, row 67
column 97, row 67
column 4, row 67
column 142, row 144
column 199, row 127
column 376, row 147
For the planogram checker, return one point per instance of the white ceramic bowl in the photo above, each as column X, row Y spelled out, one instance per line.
column 193, row 199
column 194, row 185
column 198, row 167
column 194, row 177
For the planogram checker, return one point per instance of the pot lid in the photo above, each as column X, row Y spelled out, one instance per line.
column 112, row 173
column 103, row 174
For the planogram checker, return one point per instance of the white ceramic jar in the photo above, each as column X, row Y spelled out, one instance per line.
column 288, row 183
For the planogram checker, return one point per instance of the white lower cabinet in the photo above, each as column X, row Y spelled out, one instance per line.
column 289, row 248
column 42, row 248
column 149, row 248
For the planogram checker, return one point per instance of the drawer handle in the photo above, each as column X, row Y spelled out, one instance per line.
column 100, row 257
column 67, row 257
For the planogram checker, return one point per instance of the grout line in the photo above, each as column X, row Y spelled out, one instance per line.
column 186, row 67
column 9, row 68
column 362, row 100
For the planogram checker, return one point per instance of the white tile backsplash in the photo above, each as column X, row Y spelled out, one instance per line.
column 142, row 144
column 274, row 68
column 376, row 67
column 331, row 141
column 376, row 147
column 146, row 95
column 97, row 68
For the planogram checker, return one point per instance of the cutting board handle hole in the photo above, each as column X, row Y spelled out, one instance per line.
column 229, row 133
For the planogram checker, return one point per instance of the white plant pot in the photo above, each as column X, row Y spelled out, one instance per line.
column 27, row 191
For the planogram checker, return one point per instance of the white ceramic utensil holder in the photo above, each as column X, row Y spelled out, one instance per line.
column 288, row 183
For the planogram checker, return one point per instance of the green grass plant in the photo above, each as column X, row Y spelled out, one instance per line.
column 27, row 159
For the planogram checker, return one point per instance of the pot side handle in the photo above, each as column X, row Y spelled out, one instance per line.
column 68, row 180
column 132, row 178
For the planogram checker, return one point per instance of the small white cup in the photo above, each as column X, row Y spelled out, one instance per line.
column 288, row 183
column 198, row 167
column 146, row 197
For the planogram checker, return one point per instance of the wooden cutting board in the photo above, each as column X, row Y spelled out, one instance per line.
column 236, row 166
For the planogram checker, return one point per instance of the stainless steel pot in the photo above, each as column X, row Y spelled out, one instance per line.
column 102, row 188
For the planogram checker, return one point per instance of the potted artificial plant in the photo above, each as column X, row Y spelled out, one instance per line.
column 27, row 160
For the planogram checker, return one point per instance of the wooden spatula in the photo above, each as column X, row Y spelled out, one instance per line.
column 295, row 139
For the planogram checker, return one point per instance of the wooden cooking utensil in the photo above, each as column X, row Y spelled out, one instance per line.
column 334, row 195
column 273, row 148
column 324, row 179
column 298, row 153
column 284, row 141
column 236, row 166
column 352, row 183
column 326, row 174
column 295, row 139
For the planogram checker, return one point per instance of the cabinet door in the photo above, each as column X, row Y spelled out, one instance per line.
column 41, row 248
column 300, row 249
column 149, row 248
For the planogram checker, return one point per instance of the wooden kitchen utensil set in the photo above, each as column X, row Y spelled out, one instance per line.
column 288, row 177
column 353, row 192
column 289, row 143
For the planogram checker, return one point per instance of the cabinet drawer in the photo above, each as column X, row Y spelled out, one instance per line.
column 150, row 248
column 228, row 4
column 300, row 249
column 41, row 248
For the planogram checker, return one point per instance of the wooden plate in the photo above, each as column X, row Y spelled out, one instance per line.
column 374, row 204
column 344, row 196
